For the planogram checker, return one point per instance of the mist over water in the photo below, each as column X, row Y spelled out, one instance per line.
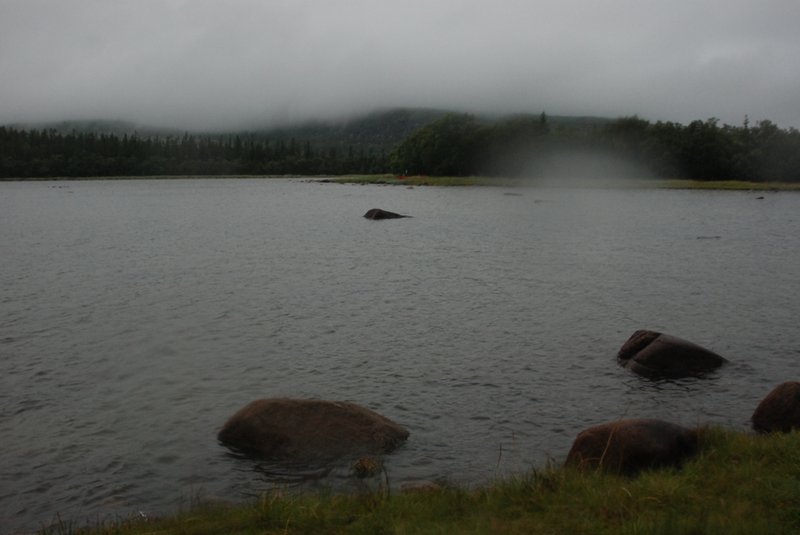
column 139, row 315
column 560, row 168
column 586, row 166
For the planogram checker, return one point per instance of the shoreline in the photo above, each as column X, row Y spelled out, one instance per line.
column 739, row 482
column 449, row 181
column 722, row 185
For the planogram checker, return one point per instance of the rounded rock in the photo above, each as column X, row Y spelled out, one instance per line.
column 307, row 429
column 629, row 446
column 655, row 355
column 780, row 410
column 377, row 213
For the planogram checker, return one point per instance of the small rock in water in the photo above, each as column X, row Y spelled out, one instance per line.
column 656, row 355
column 283, row 428
column 377, row 213
column 367, row 467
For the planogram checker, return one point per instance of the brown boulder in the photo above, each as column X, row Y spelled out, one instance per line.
column 628, row 446
column 307, row 429
column 780, row 410
column 377, row 213
column 653, row 354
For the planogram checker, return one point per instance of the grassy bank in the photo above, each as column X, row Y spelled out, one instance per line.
column 396, row 180
column 728, row 185
column 739, row 483
column 599, row 183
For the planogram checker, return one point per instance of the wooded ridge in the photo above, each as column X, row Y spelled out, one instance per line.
column 413, row 141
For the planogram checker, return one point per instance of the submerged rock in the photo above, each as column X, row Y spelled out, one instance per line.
column 629, row 446
column 780, row 410
column 308, row 429
column 653, row 354
column 377, row 213
column 366, row 467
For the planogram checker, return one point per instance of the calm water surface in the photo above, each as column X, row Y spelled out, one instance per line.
column 136, row 316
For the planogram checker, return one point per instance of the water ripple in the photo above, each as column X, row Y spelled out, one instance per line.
column 139, row 315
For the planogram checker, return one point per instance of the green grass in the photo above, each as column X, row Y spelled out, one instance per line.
column 396, row 180
column 739, row 483
column 728, row 185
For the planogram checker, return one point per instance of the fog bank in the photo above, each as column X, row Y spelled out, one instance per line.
column 204, row 64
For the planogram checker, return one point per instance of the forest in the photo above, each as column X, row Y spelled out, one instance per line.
column 417, row 143
column 29, row 154
column 459, row 144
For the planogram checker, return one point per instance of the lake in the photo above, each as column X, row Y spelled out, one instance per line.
column 136, row 316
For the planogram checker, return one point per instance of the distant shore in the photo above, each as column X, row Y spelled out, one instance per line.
column 162, row 177
column 398, row 180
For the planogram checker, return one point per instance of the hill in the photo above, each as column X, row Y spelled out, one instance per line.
column 98, row 127
column 380, row 131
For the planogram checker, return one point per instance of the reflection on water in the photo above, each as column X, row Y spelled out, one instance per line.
column 137, row 316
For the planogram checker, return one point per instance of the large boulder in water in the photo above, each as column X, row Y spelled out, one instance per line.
column 653, row 354
column 377, row 213
column 780, row 410
column 629, row 446
column 308, row 429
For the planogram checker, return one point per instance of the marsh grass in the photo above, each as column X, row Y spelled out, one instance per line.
column 726, row 185
column 738, row 483
column 395, row 180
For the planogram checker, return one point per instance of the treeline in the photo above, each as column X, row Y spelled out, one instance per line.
column 449, row 144
column 460, row 144
column 48, row 153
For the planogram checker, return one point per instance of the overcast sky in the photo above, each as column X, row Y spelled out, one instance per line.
column 225, row 63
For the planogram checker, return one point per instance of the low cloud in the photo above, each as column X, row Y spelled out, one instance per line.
column 203, row 64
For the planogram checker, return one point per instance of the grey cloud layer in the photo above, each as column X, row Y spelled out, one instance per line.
column 204, row 63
